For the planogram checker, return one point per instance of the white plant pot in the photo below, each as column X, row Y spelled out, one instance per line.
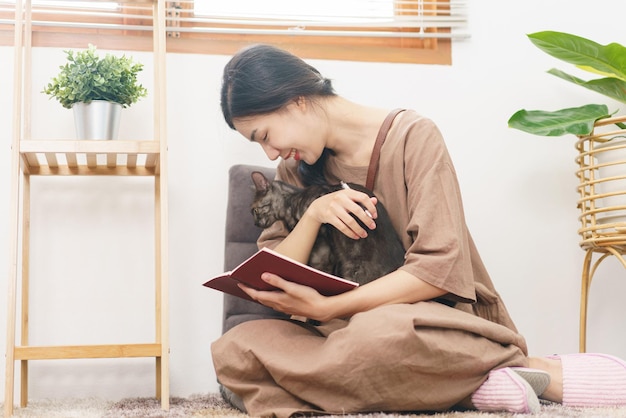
column 98, row 119
column 612, row 173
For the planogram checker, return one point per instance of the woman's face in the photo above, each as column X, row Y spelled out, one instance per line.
column 292, row 132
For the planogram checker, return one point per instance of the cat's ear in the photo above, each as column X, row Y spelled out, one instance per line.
column 260, row 181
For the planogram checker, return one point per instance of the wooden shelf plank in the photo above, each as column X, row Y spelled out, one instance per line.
column 97, row 147
column 72, row 162
column 52, row 159
column 87, row 351
column 151, row 161
column 84, row 170
column 41, row 157
column 92, row 160
column 131, row 160
column 111, row 160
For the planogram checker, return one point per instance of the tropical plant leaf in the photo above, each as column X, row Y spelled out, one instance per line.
column 610, row 87
column 576, row 121
column 606, row 59
column 594, row 71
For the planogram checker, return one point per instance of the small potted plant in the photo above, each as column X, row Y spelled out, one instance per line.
column 97, row 88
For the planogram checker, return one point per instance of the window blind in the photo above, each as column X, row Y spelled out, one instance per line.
column 409, row 31
column 364, row 18
column 368, row 18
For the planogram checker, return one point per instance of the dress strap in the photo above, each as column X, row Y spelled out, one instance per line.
column 382, row 134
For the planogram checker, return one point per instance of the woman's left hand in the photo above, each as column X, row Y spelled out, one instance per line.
column 292, row 298
column 337, row 209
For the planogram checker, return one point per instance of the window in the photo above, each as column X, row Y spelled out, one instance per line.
column 361, row 30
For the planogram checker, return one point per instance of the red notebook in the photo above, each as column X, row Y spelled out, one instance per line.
column 266, row 260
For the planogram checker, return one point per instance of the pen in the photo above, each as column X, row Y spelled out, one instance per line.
column 345, row 186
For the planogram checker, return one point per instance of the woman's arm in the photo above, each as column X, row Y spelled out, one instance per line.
column 396, row 287
column 334, row 209
column 298, row 244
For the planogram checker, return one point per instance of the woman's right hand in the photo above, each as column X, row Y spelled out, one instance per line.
column 292, row 298
column 337, row 208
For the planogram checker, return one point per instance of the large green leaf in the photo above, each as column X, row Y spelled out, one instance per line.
column 576, row 121
column 609, row 59
column 611, row 87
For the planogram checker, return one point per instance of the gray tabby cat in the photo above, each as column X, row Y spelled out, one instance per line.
column 361, row 260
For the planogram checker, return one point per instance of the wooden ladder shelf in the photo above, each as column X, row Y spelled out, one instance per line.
column 82, row 158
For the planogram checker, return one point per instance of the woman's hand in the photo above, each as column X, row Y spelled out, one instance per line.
column 337, row 208
column 292, row 298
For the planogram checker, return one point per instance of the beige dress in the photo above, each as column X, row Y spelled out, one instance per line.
column 402, row 357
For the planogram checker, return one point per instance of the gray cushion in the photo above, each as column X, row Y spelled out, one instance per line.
column 241, row 237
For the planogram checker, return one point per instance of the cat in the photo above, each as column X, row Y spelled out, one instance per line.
column 362, row 260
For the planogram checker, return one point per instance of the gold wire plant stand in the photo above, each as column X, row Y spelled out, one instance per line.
column 602, row 187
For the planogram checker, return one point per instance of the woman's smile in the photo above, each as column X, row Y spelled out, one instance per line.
column 293, row 153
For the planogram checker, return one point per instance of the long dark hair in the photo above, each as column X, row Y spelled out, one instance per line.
column 262, row 79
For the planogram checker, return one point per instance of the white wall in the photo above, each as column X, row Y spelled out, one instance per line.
column 92, row 245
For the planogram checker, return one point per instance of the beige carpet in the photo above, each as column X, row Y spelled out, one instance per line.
column 213, row 406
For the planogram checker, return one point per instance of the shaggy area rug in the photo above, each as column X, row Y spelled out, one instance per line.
column 212, row 405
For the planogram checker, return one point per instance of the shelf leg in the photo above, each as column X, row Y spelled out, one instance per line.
column 161, row 295
column 25, row 285
column 10, row 343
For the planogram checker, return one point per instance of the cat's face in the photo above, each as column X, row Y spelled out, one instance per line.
column 263, row 206
column 262, row 211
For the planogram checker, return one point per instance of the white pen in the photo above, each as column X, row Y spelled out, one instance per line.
column 345, row 186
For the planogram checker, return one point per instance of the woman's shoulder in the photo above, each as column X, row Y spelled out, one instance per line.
column 411, row 117
column 414, row 129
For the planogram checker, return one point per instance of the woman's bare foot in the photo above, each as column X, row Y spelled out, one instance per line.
column 554, row 391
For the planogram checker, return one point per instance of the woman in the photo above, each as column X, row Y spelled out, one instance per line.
column 387, row 345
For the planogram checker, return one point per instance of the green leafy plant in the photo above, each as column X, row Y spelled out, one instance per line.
column 608, row 61
column 86, row 77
